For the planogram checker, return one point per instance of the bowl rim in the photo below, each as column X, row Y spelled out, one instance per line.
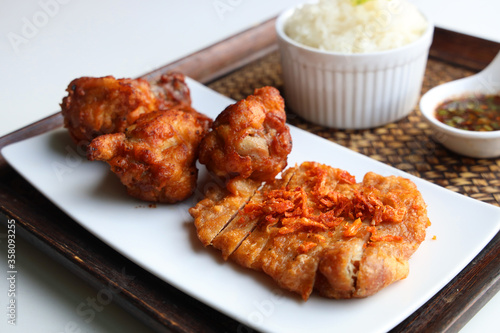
column 428, row 112
column 285, row 15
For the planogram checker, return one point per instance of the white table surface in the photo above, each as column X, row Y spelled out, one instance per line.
column 44, row 44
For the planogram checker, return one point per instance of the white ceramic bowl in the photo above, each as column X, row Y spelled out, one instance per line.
column 468, row 143
column 352, row 91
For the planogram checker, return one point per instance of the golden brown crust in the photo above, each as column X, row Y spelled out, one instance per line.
column 219, row 207
column 242, row 225
column 96, row 106
column 249, row 139
column 104, row 105
column 171, row 89
column 322, row 230
column 155, row 157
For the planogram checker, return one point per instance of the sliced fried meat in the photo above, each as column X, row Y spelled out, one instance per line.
column 218, row 208
column 326, row 232
column 244, row 222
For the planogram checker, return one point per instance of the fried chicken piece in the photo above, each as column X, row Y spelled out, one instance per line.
column 319, row 229
column 105, row 105
column 172, row 90
column 204, row 120
column 96, row 106
column 156, row 156
column 249, row 139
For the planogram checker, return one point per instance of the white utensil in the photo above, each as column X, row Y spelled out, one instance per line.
column 469, row 143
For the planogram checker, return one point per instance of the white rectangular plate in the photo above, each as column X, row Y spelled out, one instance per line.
column 163, row 239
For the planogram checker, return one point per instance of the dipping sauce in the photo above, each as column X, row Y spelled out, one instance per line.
column 475, row 113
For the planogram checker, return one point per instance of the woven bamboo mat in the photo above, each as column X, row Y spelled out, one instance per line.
column 406, row 144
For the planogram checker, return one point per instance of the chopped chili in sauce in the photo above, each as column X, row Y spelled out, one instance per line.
column 480, row 112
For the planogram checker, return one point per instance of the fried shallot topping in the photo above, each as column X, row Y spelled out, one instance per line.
column 294, row 209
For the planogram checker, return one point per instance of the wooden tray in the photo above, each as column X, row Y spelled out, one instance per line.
column 252, row 55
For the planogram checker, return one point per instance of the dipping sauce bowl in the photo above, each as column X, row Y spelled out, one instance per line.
column 469, row 143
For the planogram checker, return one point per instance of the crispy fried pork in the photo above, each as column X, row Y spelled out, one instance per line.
column 317, row 228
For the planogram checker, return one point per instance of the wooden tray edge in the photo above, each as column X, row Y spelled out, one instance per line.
column 232, row 53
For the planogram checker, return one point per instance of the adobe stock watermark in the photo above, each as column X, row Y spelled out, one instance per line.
column 73, row 159
column 11, row 272
column 487, row 83
column 87, row 310
column 32, row 25
column 263, row 309
column 224, row 7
